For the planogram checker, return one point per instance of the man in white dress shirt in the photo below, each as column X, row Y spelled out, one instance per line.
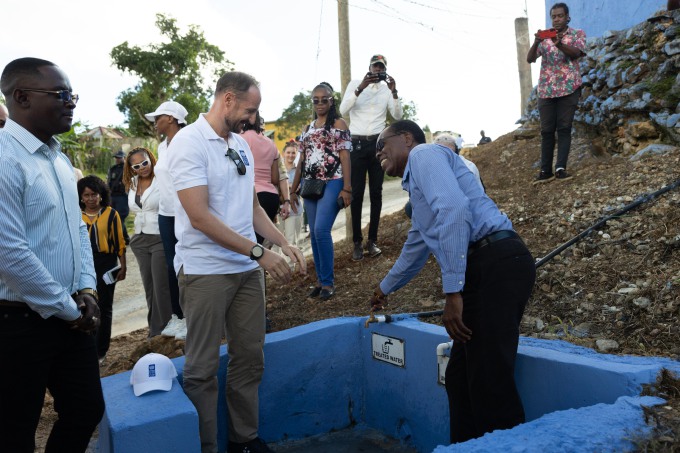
column 367, row 102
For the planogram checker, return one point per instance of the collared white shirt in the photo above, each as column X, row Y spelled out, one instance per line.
column 146, row 217
column 166, row 190
column 197, row 157
column 368, row 112
column 45, row 252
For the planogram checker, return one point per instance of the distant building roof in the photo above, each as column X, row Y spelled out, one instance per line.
column 104, row 132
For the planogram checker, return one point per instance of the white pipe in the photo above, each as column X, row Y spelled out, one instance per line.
column 443, row 347
column 442, row 361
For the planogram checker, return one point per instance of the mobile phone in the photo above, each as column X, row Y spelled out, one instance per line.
column 546, row 34
column 341, row 203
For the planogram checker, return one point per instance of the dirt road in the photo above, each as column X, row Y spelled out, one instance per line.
column 129, row 308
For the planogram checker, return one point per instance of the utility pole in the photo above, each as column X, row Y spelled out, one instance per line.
column 343, row 41
column 345, row 76
column 525, row 83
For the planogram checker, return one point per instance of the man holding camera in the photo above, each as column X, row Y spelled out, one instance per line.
column 367, row 102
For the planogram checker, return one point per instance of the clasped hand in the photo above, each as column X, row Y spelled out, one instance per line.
column 89, row 320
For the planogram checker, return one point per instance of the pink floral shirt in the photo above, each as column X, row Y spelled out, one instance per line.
column 321, row 149
column 560, row 75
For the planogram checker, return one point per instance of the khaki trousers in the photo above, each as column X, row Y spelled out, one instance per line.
column 210, row 304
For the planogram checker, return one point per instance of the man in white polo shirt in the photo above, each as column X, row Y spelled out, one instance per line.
column 219, row 264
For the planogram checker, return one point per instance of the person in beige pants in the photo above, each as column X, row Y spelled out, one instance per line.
column 219, row 264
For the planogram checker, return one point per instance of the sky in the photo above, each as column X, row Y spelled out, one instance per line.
column 455, row 59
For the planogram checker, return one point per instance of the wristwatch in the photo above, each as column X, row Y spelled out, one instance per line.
column 256, row 252
column 91, row 292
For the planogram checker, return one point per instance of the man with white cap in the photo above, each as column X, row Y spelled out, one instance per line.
column 367, row 102
column 168, row 119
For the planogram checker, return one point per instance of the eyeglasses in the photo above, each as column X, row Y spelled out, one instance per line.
column 380, row 144
column 240, row 166
column 144, row 163
column 321, row 101
column 64, row 95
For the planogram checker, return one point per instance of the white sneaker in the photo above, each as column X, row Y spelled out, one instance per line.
column 171, row 328
column 181, row 332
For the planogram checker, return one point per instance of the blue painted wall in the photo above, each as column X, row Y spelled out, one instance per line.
column 322, row 377
column 597, row 16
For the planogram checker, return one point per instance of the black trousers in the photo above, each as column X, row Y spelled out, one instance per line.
column 36, row 354
column 120, row 204
column 364, row 161
column 104, row 262
column 480, row 381
column 557, row 115
column 166, row 226
column 270, row 203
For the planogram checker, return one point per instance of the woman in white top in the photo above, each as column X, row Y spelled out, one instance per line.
column 143, row 198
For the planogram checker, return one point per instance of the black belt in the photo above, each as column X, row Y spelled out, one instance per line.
column 368, row 138
column 12, row 304
column 490, row 239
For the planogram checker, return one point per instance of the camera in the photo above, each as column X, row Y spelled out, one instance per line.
column 382, row 76
column 546, row 34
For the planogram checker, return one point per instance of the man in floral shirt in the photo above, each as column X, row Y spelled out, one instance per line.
column 559, row 89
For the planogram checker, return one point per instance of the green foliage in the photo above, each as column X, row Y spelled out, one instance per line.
column 297, row 115
column 662, row 90
column 409, row 112
column 171, row 70
column 76, row 148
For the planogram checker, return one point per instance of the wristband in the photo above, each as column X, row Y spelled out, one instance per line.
column 286, row 201
column 394, row 92
column 357, row 92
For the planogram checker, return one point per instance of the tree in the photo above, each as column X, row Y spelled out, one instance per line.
column 170, row 70
column 299, row 113
column 296, row 116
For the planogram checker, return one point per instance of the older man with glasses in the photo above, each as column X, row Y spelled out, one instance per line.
column 48, row 305
column 219, row 264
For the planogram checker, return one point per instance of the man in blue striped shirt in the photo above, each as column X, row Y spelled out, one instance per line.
column 487, row 275
column 48, row 307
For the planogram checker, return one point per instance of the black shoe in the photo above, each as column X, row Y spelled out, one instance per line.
column 561, row 174
column 358, row 253
column 314, row 292
column 256, row 445
column 372, row 249
column 543, row 177
column 327, row 293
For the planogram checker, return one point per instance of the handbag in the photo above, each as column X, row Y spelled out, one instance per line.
column 312, row 189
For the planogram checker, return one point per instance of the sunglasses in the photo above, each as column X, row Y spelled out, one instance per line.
column 240, row 166
column 142, row 164
column 380, row 144
column 321, row 101
column 64, row 95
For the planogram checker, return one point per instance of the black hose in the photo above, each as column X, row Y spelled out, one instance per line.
column 602, row 221
column 584, row 233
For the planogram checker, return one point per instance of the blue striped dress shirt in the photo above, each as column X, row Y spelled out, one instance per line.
column 450, row 211
column 45, row 252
